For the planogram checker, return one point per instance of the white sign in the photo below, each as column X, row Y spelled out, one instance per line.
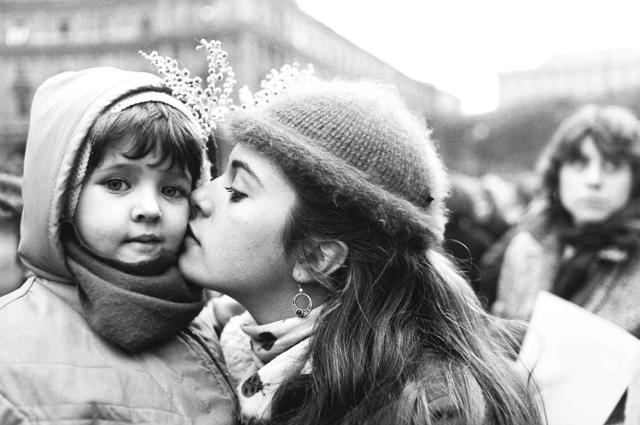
column 582, row 363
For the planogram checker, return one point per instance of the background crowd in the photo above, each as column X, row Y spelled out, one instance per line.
column 572, row 228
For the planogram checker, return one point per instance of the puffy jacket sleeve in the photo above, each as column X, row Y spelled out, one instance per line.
column 10, row 414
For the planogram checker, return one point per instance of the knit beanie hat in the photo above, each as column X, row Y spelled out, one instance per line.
column 362, row 143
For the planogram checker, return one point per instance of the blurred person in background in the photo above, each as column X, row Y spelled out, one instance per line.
column 11, row 270
column 580, row 240
column 481, row 211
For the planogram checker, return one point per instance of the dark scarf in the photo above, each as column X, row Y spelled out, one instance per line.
column 136, row 305
column 602, row 245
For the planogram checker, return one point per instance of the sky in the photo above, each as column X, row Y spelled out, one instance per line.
column 460, row 46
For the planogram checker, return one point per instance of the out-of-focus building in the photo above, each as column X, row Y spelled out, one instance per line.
column 39, row 38
column 580, row 76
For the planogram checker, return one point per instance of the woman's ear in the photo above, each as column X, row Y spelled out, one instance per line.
column 326, row 259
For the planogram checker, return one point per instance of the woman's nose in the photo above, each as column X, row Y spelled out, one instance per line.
column 147, row 209
column 201, row 202
column 593, row 174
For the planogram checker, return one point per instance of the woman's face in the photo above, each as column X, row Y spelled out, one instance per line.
column 592, row 188
column 235, row 240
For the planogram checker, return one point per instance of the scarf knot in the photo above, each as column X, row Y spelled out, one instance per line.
column 604, row 244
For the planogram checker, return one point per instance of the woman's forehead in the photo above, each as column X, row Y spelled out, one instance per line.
column 247, row 159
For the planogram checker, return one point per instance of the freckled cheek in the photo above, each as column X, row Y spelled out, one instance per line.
column 251, row 240
column 267, row 241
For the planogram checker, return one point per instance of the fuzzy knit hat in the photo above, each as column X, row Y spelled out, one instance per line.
column 362, row 143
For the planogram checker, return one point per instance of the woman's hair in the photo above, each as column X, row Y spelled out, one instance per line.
column 614, row 130
column 401, row 328
column 153, row 128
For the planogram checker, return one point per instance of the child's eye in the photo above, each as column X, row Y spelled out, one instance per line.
column 116, row 185
column 174, row 192
column 235, row 196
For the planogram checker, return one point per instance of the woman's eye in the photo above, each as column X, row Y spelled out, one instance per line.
column 612, row 166
column 116, row 185
column 580, row 161
column 174, row 192
column 235, row 196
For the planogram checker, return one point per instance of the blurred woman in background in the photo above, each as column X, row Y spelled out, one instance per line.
column 581, row 240
column 481, row 210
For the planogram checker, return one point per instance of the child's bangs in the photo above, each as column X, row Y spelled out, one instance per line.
column 162, row 131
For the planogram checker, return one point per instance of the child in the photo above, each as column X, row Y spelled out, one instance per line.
column 10, row 207
column 107, row 329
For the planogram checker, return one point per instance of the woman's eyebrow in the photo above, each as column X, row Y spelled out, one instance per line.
column 237, row 164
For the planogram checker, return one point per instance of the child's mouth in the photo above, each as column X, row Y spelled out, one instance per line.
column 146, row 239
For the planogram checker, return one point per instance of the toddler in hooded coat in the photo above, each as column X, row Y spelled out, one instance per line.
column 106, row 328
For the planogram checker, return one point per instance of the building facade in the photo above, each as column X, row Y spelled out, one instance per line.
column 581, row 77
column 39, row 38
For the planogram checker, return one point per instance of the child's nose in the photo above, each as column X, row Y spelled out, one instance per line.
column 147, row 209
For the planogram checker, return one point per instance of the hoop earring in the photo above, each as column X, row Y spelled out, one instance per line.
column 301, row 312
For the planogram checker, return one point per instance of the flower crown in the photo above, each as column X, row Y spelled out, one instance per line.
column 210, row 105
column 275, row 83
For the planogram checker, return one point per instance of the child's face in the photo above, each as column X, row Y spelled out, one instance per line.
column 129, row 210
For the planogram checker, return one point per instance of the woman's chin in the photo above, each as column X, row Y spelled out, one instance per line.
column 590, row 217
column 188, row 268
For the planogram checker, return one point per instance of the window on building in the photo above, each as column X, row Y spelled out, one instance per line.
column 145, row 26
column 16, row 34
column 63, row 29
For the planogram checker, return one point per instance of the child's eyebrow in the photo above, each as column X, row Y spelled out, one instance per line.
column 177, row 173
column 173, row 172
column 117, row 167
column 237, row 164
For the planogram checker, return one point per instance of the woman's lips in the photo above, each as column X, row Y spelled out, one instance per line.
column 594, row 203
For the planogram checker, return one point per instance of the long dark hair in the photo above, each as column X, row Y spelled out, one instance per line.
column 400, row 329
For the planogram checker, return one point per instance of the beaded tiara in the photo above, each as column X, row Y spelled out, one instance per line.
column 211, row 104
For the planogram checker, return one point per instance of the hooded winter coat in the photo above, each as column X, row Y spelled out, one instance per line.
column 53, row 367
